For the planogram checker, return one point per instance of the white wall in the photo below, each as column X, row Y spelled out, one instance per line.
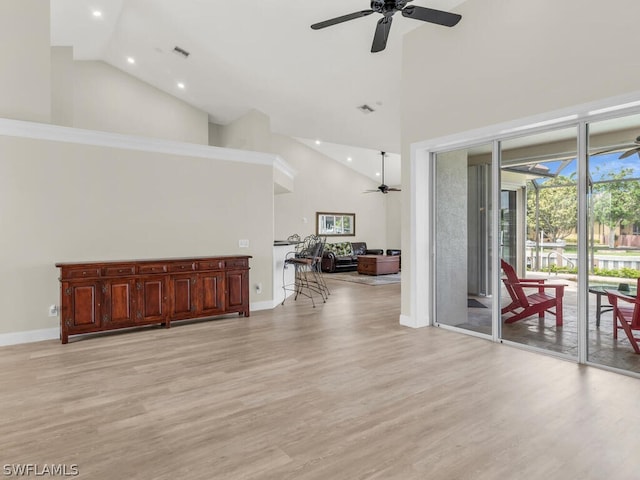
column 251, row 131
column 25, row 71
column 110, row 100
column 62, row 82
column 321, row 184
column 324, row 185
column 509, row 59
column 69, row 202
column 394, row 220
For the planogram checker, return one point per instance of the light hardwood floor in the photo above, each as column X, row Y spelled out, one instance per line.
column 341, row 391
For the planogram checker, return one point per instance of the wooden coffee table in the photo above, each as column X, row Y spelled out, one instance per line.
column 378, row 264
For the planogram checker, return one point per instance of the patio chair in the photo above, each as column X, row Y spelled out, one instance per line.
column 533, row 303
column 626, row 315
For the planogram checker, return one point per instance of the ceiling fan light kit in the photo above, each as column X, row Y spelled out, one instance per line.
column 388, row 8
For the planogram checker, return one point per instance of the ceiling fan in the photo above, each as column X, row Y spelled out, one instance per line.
column 388, row 8
column 383, row 188
column 635, row 148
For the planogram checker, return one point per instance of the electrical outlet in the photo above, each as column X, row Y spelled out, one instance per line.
column 243, row 243
column 53, row 311
column 259, row 288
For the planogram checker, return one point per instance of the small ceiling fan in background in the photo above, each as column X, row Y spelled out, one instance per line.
column 388, row 8
column 635, row 148
column 383, row 188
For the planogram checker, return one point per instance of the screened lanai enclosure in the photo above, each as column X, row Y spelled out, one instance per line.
column 561, row 208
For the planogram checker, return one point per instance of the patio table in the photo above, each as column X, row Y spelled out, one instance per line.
column 600, row 290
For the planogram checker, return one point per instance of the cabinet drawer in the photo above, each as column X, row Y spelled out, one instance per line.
column 237, row 263
column 182, row 267
column 119, row 270
column 152, row 268
column 211, row 265
column 82, row 272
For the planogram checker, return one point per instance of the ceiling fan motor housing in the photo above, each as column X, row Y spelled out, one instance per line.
column 387, row 6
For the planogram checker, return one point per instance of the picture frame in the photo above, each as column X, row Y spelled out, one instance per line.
column 334, row 224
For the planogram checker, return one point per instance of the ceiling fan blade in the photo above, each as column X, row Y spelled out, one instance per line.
column 628, row 153
column 394, row 190
column 430, row 15
column 614, row 149
column 602, row 152
column 343, row 18
column 381, row 35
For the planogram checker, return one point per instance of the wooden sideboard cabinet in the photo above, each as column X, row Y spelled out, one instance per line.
column 100, row 296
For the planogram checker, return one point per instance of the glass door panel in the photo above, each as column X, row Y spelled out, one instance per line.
column 539, row 244
column 614, row 237
column 463, row 219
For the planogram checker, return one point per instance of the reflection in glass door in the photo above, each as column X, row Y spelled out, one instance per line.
column 462, row 235
column 508, row 226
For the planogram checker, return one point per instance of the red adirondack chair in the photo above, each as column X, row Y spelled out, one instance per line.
column 534, row 303
column 626, row 315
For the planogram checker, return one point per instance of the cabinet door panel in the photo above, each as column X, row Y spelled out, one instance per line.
column 117, row 302
column 235, row 292
column 211, row 293
column 81, row 306
column 152, row 298
column 183, row 298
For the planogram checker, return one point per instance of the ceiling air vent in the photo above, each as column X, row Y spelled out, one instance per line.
column 181, row 51
column 366, row 108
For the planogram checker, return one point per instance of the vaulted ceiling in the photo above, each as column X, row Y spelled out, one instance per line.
column 263, row 55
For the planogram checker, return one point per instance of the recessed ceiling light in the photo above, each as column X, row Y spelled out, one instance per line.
column 377, row 174
column 97, row 13
column 181, row 85
column 318, row 142
column 131, row 60
column 349, row 159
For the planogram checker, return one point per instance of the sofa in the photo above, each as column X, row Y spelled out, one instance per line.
column 343, row 256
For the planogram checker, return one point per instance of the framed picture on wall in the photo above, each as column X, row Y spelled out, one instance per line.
column 331, row 224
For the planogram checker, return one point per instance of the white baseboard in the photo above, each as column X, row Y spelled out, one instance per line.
column 29, row 336
column 266, row 305
column 409, row 321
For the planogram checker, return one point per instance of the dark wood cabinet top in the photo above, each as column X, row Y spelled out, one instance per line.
column 148, row 260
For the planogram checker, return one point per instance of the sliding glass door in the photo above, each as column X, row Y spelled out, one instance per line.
column 539, row 192
column 567, row 205
column 614, row 237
